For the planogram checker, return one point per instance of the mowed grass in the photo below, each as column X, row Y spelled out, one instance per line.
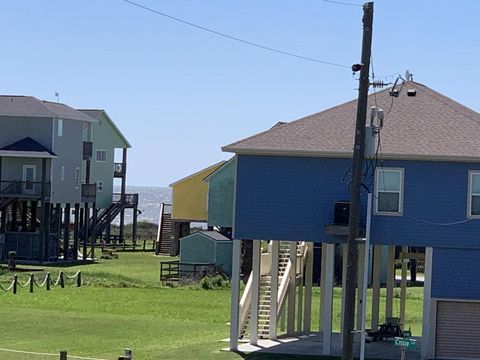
column 123, row 305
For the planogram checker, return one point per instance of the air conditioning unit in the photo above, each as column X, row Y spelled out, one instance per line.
column 341, row 213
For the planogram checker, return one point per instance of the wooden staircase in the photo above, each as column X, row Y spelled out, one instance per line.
column 104, row 218
column 265, row 293
column 4, row 202
column 164, row 234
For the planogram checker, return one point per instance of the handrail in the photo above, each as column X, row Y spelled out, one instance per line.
column 246, row 299
column 244, row 306
column 282, row 289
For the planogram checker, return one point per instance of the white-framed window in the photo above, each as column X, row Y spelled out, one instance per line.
column 62, row 173
column 77, row 178
column 101, row 155
column 473, row 194
column 99, row 186
column 60, row 128
column 389, row 191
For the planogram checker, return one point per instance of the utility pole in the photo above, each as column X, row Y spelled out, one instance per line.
column 358, row 159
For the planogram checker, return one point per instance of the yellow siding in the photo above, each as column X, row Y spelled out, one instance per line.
column 189, row 196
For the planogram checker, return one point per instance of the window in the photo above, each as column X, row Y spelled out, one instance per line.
column 101, row 155
column 389, row 191
column 99, row 186
column 62, row 173
column 474, row 194
column 77, row 178
column 60, row 128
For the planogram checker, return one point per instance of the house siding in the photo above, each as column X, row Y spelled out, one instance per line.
column 16, row 128
column 292, row 198
column 189, row 197
column 220, row 195
column 455, row 274
column 105, row 137
column 69, row 148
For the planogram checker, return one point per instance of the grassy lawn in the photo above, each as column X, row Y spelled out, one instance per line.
column 124, row 305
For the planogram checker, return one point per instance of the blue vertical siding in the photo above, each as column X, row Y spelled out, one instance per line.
column 292, row 198
column 455, row 274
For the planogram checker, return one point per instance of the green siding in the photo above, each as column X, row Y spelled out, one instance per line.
column 224, row 256
column 200, row 248
column 197, row 248
column 220, row 195
column 104, row 137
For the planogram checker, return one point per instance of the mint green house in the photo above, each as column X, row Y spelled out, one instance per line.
column 221, row 185
column 106, row 139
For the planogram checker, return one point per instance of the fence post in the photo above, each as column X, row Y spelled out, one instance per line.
column 15, row 278
column 62, row 280
column 63, row 355
column 48, row 281
column 79, row 279
column 32, row 280
column 128, row 354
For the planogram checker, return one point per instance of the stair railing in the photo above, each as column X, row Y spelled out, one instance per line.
column 159, row 229
column 285, row 282
column 244, row 306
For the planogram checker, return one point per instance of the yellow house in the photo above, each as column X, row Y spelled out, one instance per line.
column 189, row 196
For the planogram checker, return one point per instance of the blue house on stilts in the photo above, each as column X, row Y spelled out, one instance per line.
column 424, row 175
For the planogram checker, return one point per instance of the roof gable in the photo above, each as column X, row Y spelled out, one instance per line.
column 206, row 171
column 27, row 147
column 100, row 114
column 428, row 125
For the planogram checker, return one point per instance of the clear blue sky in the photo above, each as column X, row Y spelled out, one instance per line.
column 179, row 94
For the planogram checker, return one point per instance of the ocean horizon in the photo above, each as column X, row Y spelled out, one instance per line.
column 149, row 200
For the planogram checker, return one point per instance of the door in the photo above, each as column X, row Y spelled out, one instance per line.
column 29, row 173
column 458, row 328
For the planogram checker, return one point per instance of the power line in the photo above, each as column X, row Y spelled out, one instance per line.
column 343, row 3
column 246, row 42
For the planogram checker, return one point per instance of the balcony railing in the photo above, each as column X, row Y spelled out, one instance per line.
column 24, row 189
column 118, row 170
column 128, row 199
column 87, row 150
column 89, row 192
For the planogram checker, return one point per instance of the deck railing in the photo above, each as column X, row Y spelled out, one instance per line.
column 24, row 189
column 118, row 170
column 127, row 199
column 174, row 271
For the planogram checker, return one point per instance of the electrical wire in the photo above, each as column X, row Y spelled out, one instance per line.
column 342, row 3
column 234, row 38
column 427, row 222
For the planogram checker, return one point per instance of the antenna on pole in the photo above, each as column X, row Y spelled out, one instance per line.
column 57, row 95
column 408, row 75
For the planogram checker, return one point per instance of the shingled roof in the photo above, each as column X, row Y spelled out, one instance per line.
column 27, row 147
column 426, row 126
column 29, row 106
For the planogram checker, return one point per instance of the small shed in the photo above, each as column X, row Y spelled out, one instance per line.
column 207, row 247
